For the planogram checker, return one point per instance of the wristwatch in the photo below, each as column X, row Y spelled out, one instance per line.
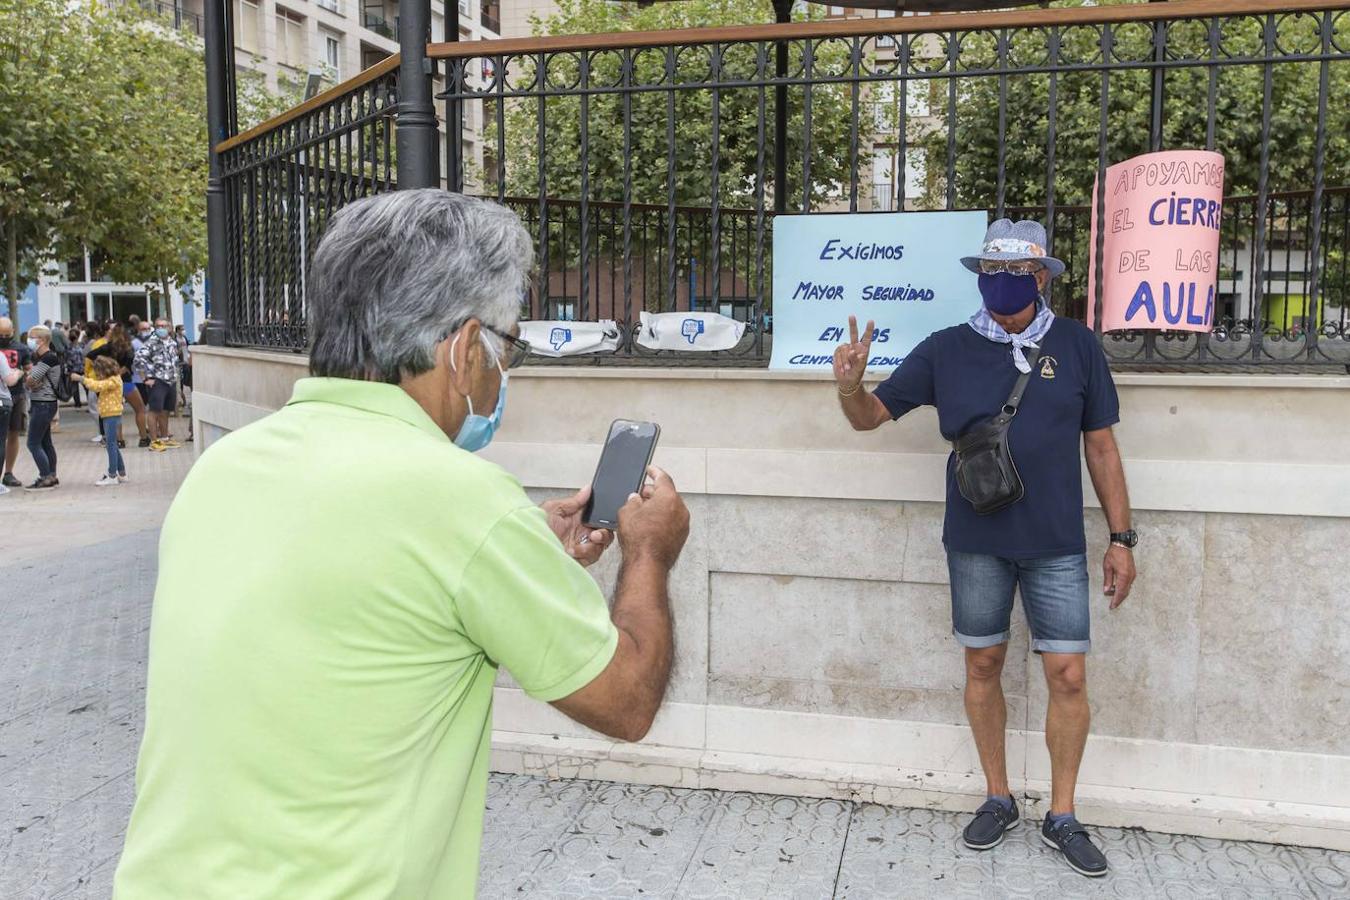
column 1126, row 539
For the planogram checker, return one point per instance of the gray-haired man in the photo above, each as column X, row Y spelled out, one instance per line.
column 1036, row 544
column 327, row 633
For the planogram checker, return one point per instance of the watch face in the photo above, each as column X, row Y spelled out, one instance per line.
column 1128, row 538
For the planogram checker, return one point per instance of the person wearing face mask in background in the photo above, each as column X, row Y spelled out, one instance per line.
column 340, row 580
column 1037, row 543
column 8, row 379
column 156, row 362
column 20, row 358
column 139, row 332
column 42, row 390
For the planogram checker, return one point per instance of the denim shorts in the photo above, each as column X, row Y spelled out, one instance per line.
column 1054, row 596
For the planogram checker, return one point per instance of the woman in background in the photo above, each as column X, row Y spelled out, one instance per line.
column 41, row 385
column 119, row 348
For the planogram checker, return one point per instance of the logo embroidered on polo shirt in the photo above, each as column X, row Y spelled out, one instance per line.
column 1048, row 364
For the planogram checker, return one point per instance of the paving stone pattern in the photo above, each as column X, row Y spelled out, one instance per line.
column 73, row 628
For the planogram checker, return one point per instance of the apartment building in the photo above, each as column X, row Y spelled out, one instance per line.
column 515, row 20
column 286, row 40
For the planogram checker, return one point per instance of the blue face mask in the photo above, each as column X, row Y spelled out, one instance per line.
column 162, row 332
column 1006, row 294
column 477, row 431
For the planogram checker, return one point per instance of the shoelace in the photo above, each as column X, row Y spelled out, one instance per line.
column 1069, row 831
column 997, row 810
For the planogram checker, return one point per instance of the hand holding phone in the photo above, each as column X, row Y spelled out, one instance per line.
column 583, row 544
column 654, row 523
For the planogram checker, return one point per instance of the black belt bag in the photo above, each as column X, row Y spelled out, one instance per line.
column 985, row 472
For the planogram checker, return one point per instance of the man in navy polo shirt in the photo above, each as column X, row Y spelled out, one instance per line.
column 1037, row 543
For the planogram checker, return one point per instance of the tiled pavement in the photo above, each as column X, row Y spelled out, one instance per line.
column 73, row 626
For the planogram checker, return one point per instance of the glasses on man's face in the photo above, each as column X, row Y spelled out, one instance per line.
column 516, row 350
column 1011, row 266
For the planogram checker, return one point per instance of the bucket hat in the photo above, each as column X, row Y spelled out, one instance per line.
column 1006, row 239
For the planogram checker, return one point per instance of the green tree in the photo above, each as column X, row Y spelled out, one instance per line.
column 52, row 116
column 103, row 140
column 743, row 154
column 1078, row 111
column 739, row 144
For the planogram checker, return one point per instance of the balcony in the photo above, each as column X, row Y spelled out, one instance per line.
column 378, row 20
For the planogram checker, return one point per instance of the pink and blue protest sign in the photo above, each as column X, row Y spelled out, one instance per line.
column 1160, row 253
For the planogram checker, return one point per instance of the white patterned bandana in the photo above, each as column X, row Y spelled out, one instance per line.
column 986, row 327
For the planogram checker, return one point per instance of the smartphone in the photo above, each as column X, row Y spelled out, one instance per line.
column 622, row 469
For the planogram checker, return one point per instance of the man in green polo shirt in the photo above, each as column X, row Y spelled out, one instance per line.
column 339, row 582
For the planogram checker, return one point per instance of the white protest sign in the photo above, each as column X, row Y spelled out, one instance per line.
column 901, row 270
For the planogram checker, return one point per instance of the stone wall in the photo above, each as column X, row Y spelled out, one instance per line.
column 813, row 621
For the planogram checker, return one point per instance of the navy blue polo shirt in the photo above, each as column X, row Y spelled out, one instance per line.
column 968, row 377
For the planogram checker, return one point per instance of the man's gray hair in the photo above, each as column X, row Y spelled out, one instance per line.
column 397, row 272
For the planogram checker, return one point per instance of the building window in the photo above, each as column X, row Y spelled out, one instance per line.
column 75, row 269
column 371, row 56
column 332, row 53
column 246, row 36
column 330, row 5
column 291, row 39
column 73, row 308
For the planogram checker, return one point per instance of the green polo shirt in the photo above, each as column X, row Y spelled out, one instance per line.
column 337, row 586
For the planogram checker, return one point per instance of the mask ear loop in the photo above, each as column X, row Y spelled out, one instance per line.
column 496, row 361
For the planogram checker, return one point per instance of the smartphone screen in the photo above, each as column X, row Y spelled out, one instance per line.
column 622, row 469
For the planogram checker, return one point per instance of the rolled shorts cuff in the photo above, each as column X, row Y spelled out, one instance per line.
column 979, row 643
column 1039, row 646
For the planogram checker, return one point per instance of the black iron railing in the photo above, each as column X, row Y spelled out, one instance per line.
column 646, row 164
column 380, row 24
column 282, row 183
column 1012, row 112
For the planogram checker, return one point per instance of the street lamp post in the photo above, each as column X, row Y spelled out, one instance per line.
column 219, row 125
column 417, row 126
column 782, row 13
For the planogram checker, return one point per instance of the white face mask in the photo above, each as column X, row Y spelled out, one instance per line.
column 477, row 430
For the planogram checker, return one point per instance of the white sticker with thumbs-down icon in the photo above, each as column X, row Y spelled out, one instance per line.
column 557, row 338
column 689, row 331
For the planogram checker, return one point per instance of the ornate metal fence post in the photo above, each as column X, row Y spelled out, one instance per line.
column 417, row 133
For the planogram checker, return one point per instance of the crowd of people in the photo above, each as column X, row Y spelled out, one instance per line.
column 103, row 366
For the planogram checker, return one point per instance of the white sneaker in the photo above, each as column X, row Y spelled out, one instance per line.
column 122, row 479
column 3, row 490
column 106, row 480
column 96, row 439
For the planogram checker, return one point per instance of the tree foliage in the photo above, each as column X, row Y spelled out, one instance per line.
column 740, row 142
column 102, row 140
column 1237, row 126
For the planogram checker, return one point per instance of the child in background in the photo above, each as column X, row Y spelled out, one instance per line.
column 107, row 383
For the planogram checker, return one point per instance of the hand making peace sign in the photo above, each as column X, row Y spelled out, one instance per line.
column 850, row 360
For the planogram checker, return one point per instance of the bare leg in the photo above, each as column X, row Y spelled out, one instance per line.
column 988, row 713
column 138, row 407
column 1066, row 724
column 11, row 451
